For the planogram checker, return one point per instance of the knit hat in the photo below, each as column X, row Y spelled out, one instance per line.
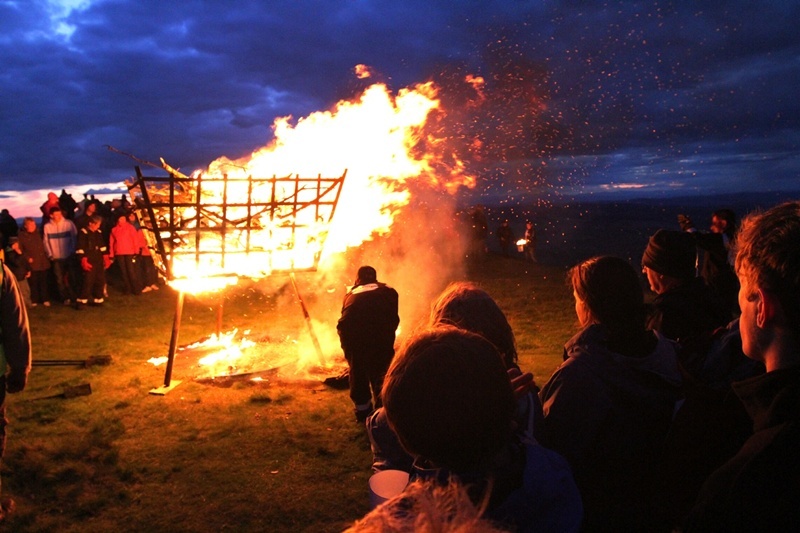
column 671, row 253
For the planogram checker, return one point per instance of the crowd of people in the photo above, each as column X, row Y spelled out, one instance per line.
column 65, row 256
column 676, row 414
column 679, row 414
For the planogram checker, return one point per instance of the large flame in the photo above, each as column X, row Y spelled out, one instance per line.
column 378, row 141
column 373, row 139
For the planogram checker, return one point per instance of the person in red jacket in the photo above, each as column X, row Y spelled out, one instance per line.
column 123, row 247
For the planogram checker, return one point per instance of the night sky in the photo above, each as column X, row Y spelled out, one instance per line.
column 627, row 98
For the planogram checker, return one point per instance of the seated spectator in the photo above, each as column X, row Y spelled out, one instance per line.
column 427, row 507
column 709, row 427
column 608, row 407
column 448, row 396
column 759, row 488
column 684, row 308
column 465, row 306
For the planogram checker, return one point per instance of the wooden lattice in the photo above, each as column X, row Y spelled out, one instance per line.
column 244, row 226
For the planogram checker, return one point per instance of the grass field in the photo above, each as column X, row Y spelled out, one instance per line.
column 281, row 454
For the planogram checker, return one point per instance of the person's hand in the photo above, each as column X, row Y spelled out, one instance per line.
column 107, row 260
column 85, row 264
column 521, row 383
column 15, row 381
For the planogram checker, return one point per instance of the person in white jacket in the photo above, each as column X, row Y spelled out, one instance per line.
column 60, row 239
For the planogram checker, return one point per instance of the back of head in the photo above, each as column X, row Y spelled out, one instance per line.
column 466, row 306
column 768, row 254
column 426, row 507
column 610, row 288
column 730, row 220
column 366, row 274
column 671, row 253
column 448, row 397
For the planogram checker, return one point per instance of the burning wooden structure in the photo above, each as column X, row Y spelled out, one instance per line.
column 215, row 228
column 214, row 225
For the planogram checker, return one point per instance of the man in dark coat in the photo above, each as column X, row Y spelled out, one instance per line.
column 684, row 307
column 759, row 488
column 367, row 332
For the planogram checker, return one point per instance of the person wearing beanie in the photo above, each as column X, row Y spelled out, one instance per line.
column 366, row 330
column 684, row 307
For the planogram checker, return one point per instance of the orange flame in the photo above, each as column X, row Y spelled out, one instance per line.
column 372, row 138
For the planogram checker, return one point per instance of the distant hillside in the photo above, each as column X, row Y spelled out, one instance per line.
column 577, row 229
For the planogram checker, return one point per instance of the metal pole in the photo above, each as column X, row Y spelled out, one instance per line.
column 173, row 343
column 220, row 307
column 308, row 320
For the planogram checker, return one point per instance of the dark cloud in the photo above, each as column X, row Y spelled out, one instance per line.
column 648, row 94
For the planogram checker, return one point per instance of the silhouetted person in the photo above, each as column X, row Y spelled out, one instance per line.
column 367, row 332
column 449, row 398
column 716, row 265
column 506, row 237
column 609, row 406
column 759, row 488
column 684, row 307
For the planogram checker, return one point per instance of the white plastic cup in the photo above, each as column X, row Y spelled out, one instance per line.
column 385, row 485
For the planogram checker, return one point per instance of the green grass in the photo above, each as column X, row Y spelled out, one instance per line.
column 280, row 455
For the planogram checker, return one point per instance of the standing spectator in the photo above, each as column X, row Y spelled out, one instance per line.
column 32, row 246
column 479, row 230
column 506, row 237
column 123, row 248
column 67, row 204
column 718, row 255
column 60, row 238
column 147, row 267
column 47, row 207
column 759, row 488
column 20, row 268
column 8, row 227
column 92, row 253
column 608, row 407
column 15, row 357
column 367, row 331
column 530, row 242
column 82, row 220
